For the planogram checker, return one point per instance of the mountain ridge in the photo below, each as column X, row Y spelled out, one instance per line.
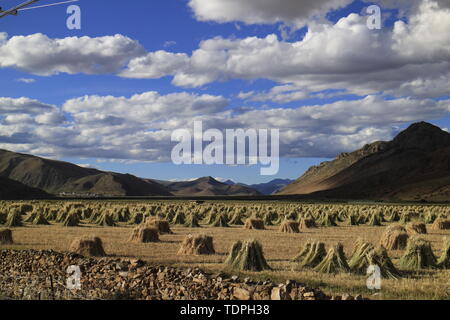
column 414, row 165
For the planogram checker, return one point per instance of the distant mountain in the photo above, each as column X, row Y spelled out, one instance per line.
column 13, row 190
column 208, row 186
column 271, row 187
column 57, row 177
column 413, row 166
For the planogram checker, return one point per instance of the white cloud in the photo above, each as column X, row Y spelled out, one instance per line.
column 26, row 80
column 41, row 55
column 156, row 65
column 409, row 60
column 139, row 128
column 293, row 12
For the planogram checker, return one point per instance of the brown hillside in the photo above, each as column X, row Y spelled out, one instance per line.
column 414, row 166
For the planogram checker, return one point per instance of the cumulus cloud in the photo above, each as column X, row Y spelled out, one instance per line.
column 139, row 128
column 411, row 59
column 292, row 12
column 41, row 55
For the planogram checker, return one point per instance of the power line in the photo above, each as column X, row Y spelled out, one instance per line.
column 48, row 5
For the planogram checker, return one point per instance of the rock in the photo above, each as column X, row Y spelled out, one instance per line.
column 241, row 294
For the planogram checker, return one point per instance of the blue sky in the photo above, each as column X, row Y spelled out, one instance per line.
column 358, row 97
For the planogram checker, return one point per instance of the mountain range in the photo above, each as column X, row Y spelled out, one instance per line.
column 415, row 165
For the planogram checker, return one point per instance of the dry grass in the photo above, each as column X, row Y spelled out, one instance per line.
column 279, row 248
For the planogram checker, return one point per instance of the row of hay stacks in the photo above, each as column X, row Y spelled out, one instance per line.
column 190, row 214
column 248, row 255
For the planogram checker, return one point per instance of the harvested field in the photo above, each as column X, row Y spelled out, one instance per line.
column 279, row 248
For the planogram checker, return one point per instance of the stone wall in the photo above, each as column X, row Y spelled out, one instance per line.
column 35, row 275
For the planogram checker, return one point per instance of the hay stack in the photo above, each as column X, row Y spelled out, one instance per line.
column 136, row 218
column 237, row 220
column 197, row 245
column 416, row 228
column 365, row 255
column 312, row 254
column 71, row 220
column 444, row 260
column 327, row 221
column 374, row 220
column 352, row 220
column 162, row 226
column 418, row 255
column 255, row 224
column 441, row 224
column 334, row 262
column 14, row 219
column 144, row 235
column 220, row 222
column 106, row 220
column 307, row 223
column 268, row 220
column 289, row 227
column 192, row 222
column 40, row 220
column 394, row 238
column 394, row 217
column 179, row 219
column 31, row 217
column 88, row 246
column 6, row 236
column 247, row 256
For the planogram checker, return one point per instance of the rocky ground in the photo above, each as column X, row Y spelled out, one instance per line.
column 41, row 275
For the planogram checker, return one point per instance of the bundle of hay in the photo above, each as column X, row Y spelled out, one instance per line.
column 374, row 220
column 289, row 227
column 394, row 238
column 365, row 255
column 312, row 254
column 61, row 216
column 334, row 262
column 192, row 222
column 197, row 245
column 327, row 221
column 307, row 223
column 236, row 220
column 418, row 255
column 3, row 217
column 247, row 256
column 444, row 260
column 441, row 224
column 179, row 219
column 136, row 218
column 71, row 220
column 405, row 218
column 416, row 228
column 31, row 217
column 88, row 246
column 429, row 218
column 6, row 236
column 220, row 222
column 144, row 235
column 255, row 224
column 14, row 219
column 40, row 220
column 352, row 220
column 162, row 226
column 267, row 220
column 394, row 217
column 105, row 220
